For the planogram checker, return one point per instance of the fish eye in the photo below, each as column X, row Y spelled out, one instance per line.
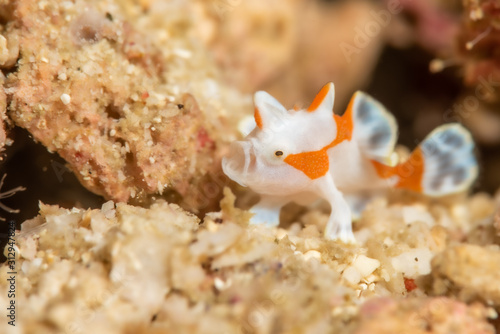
column 278, row 153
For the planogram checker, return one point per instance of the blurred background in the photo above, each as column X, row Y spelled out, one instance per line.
column 428, row 61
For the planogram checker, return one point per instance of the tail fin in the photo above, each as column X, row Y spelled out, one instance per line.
column 450, row 165
column 444, row 163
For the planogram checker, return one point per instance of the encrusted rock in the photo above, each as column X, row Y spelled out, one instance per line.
column 126, row 267
column 423, row 315
column 117, row 101
column 469, row 271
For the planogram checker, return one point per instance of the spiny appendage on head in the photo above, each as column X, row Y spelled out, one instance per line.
column 7, row 194
column 298, row 131
column 265, row 160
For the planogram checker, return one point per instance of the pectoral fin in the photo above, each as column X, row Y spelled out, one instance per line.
column 375, row 129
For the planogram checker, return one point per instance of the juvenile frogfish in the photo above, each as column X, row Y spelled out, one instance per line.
column 302, row 155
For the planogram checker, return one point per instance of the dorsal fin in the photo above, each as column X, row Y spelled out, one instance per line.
column 375, row 129
column 268, row 111
column 324, row 99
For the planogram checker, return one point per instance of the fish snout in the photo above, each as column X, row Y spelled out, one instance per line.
column 239, row 161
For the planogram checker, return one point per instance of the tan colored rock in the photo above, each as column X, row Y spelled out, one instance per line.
column 117, row 99
column 423, row 315
column 469, row 271
column 9, row 48
column 128, row 268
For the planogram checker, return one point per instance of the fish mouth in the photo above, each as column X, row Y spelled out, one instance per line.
column 240, row 162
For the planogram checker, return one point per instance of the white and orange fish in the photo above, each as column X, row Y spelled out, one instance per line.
column 300, row 155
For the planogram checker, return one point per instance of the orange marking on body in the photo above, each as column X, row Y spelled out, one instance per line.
column 410, row 172
column 258, row 118
column 296, row 107
column 319, row 98
column 316, row 163
column 383, row 170
column 345, row 126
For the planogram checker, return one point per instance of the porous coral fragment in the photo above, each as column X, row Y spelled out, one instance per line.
column 102, row 89
column 124, row 267
column 469, row 271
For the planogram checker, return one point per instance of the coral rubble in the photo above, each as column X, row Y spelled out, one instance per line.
column 115, row 98
column 470, row 272
column 125, row 268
